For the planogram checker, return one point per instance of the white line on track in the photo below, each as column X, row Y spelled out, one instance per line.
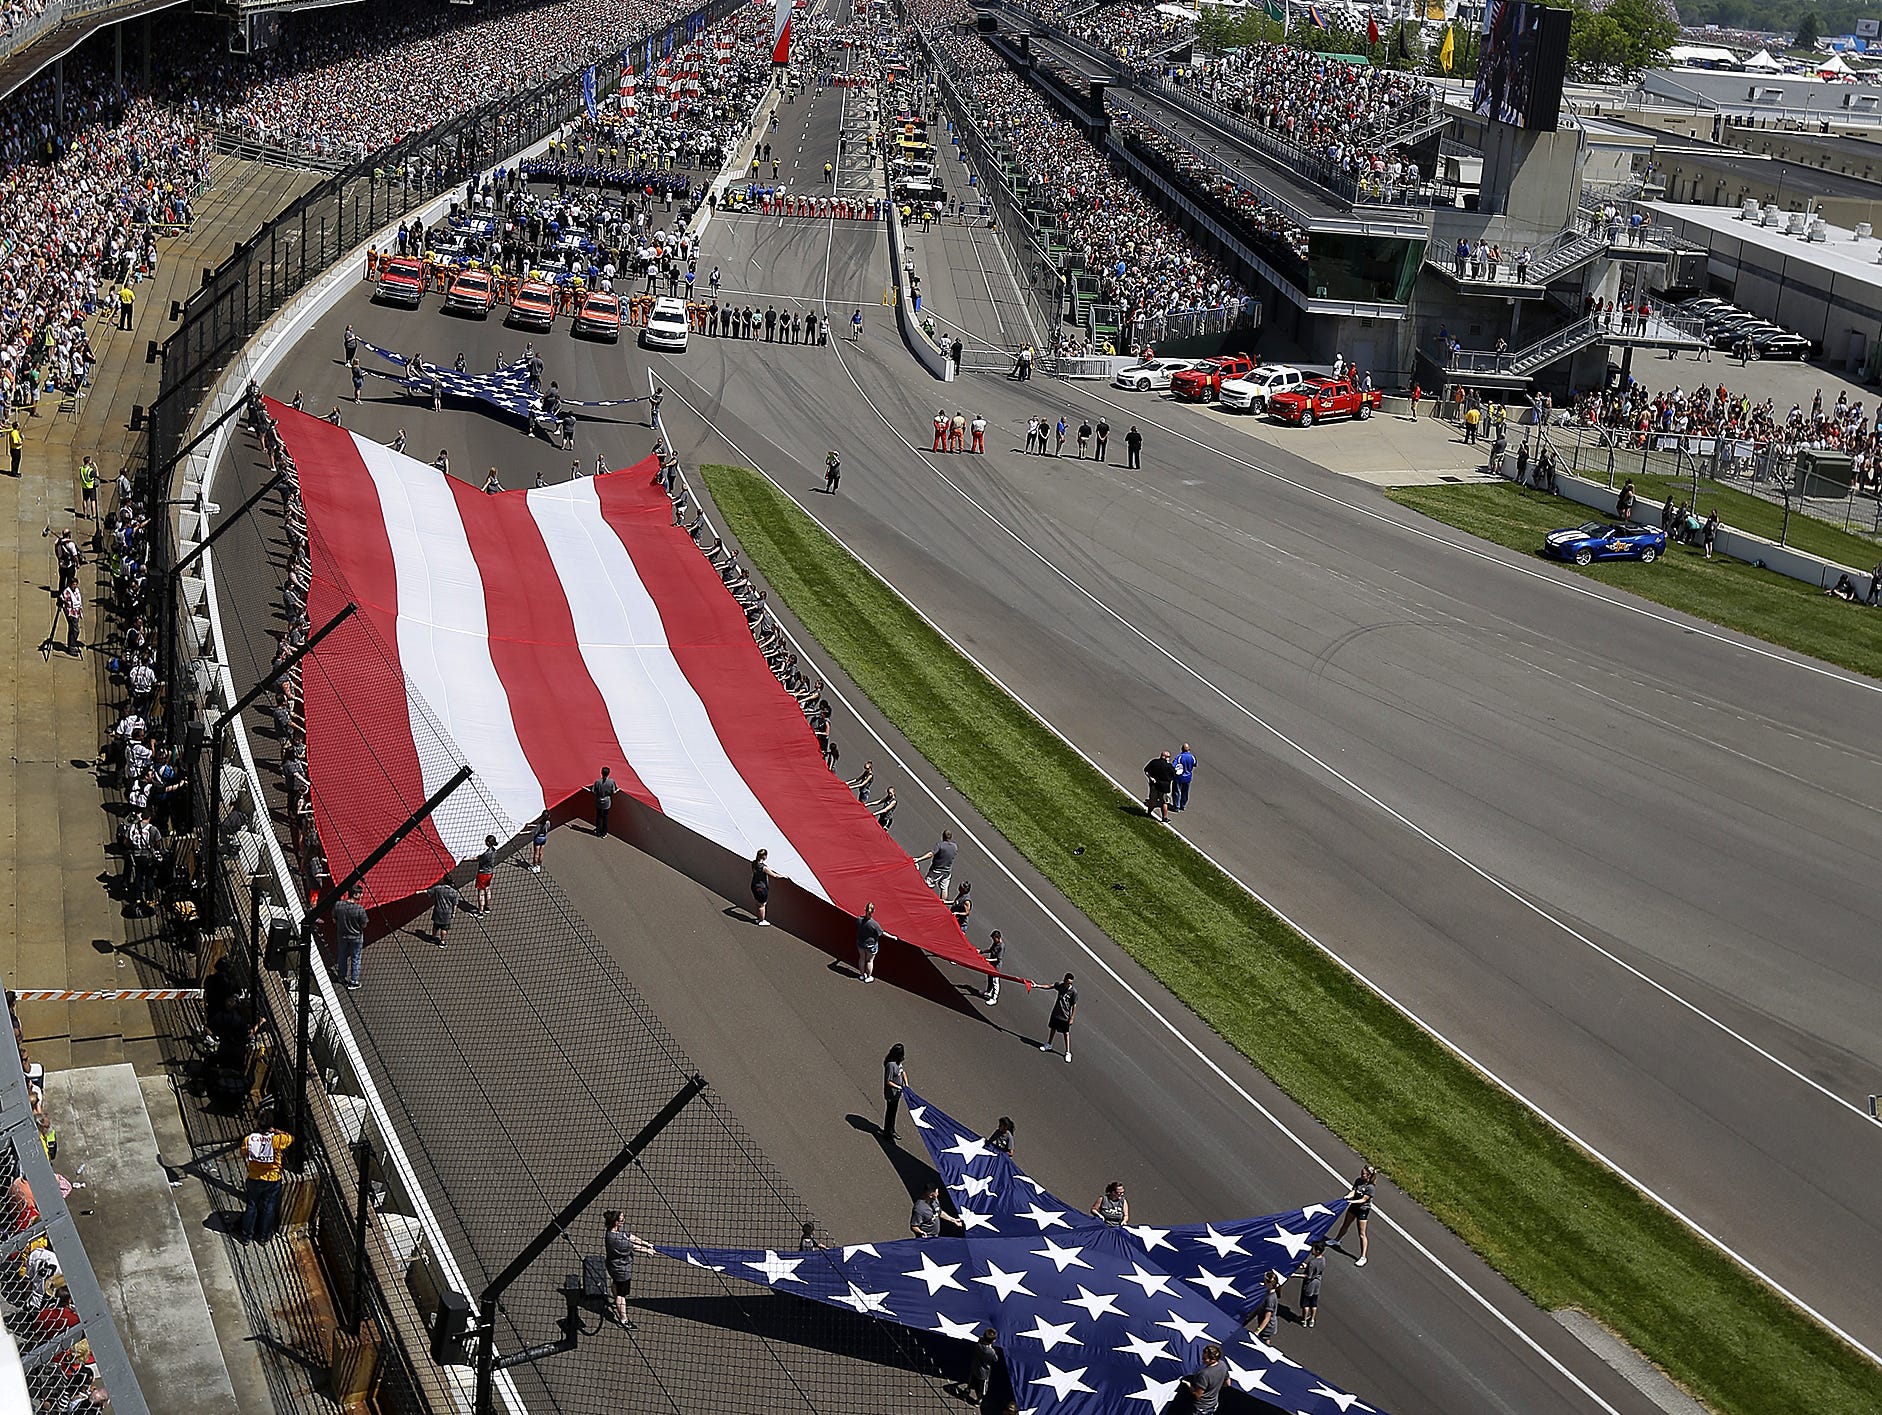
column 1571, row 584
column 1098, row 959
column 1305, row 753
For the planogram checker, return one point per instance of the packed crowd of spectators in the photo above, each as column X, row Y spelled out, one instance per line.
column 17, row 14
column 349, row 81
column 1640, row 415
column 1144, row 263
column 1340, row 117
column 82, row 203
column 1137, row 31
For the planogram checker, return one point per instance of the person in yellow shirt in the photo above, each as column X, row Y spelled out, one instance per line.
column 126, row 296
column 16, row 441
column 263, row 1149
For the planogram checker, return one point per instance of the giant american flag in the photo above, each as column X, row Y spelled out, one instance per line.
column 1091, row 1320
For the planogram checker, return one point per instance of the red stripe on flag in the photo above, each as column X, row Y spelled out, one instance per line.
column 359, row 731
column 763, row 730
column 561, row 718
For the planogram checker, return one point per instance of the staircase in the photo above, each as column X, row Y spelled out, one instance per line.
column 1519, row 366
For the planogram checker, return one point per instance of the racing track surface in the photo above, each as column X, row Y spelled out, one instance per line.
column 1595, row 759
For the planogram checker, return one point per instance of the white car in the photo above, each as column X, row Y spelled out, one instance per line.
column 666, row 326
column 1251, row 394
column 1155, row 374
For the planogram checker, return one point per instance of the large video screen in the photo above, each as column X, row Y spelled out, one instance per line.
column 1522, row 63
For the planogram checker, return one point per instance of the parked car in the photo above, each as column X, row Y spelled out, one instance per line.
column 533, row 306
column 1605, row 540
column 1781, row 345
column 1151, row 375
column 471, row 292
column 1204, row 381
column 598, row 316
column 1251, row 394
column 1330, row 398
column 666, row 326
column 401, row 282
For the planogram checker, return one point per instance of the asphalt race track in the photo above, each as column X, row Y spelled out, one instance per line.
column 1620, row 858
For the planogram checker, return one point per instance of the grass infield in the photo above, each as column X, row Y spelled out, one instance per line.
column 1738, row 596
column 1561, row 1226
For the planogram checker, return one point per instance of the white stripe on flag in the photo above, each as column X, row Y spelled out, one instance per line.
column 665, row 733
column 444, row 648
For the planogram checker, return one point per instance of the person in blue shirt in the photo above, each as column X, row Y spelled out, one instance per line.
column 1185, row 765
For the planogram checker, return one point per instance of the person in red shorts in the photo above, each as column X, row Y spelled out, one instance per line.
column 486, row 868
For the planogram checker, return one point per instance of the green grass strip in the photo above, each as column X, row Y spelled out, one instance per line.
column 1730, row 593
column 1563, row 1227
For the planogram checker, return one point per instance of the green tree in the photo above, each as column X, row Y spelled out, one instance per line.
column 1622, row 40
column 1217, row 28
column 1809, row 30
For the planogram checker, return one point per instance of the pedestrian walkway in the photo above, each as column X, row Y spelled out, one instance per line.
column 58, row 928
column 190, row 1338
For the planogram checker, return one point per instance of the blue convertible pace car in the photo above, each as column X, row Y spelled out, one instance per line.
column 1605, row 540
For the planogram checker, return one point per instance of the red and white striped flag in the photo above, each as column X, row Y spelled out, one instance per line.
column 540, row 635
column 781, row 33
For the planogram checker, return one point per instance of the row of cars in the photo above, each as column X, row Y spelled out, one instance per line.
column 1726, row 327
column 1242, row 383
column 597, row 314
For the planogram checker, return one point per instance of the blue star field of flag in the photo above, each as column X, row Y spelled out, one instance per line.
column 1090, row 1319
column 506, row 388
column 1228, row 1261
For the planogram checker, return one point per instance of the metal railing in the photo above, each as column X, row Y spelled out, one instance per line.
column 36, row 1217
column 1664, row 326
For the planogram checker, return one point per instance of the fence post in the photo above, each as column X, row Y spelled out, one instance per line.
column 362, row 1216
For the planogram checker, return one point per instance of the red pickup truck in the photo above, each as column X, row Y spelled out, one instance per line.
column 1200, row 384
column 401, row 281
column 1329, row 398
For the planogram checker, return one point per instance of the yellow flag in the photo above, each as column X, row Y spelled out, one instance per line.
column 1448, row 55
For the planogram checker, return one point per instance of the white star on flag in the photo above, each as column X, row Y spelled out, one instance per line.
column 1223, row 1243
column 1030, row 1182
column 778, row 1269
column 1189, row 1331
column 1247, row 1378
column 1062, row 1258
column 973, row 1185
column 852, row 1249
column 1096, row 1303
column 969, row 1148
column 1144, row 1349
column 960, row 1331
column 1045, row 1218
column 1295, row 1243
column 1273, row 1353
column 709, row 1267
column 1152, row 1283
column 1306, row 1214
column 866, row 1302
column 915, row 1113
column 1004, row 1283
column 1218, row 1287
column 1339, row 1397
column 1156, row 1394
column 1052, row 1334
column 937, row 1275
column 1151, row 1238
column 971, row 1220
column 1063, row 1383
